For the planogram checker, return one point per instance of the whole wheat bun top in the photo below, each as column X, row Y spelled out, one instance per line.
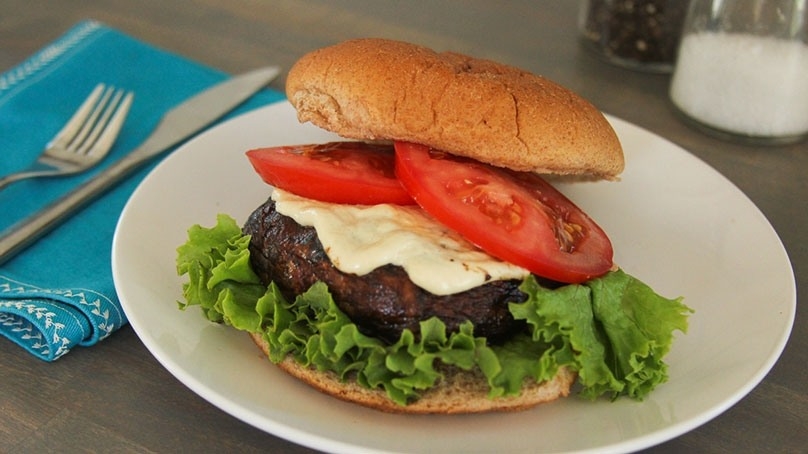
column 376, row 89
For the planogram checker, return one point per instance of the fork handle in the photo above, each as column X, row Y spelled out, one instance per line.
column 22, row 234
column 8, row 179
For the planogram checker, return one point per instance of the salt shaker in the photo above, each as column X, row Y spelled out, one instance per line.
column 742, row 69
column 638, row 34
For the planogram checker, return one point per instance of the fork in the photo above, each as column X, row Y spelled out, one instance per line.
column 86, row 138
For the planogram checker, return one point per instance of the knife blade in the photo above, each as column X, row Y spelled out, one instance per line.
column 178, row 124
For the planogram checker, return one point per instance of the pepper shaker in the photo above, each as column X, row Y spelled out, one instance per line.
column 742, row 70
column 638, row 34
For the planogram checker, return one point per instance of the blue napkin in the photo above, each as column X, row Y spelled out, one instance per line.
column 59, row 293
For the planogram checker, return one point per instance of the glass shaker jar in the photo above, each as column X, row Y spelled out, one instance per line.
column 638, row 34
column 742, row 69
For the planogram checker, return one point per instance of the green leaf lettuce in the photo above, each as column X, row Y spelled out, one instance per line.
column 613, row 331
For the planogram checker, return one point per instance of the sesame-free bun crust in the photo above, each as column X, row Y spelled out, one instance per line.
column 458, row 392
column 376, row 89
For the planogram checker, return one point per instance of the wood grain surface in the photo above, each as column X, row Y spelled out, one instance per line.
column 115, row 397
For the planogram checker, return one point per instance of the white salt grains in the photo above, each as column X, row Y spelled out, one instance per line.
column 743, row 84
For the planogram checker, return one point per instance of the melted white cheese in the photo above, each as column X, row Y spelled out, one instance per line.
column 361, row 238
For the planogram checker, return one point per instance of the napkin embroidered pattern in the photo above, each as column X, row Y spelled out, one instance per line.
column 51, row 322
column 47, row 55
column 59, row 293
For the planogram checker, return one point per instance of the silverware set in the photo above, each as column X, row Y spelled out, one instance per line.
column 89, row 136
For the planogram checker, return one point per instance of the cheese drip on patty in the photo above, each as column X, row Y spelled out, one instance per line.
column 361, row 238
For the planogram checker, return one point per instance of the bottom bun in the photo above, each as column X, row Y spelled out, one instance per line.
column 458, row 392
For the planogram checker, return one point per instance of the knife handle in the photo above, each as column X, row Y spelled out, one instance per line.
column 20, row 235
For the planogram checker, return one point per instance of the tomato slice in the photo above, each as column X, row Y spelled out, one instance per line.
column 338, row 172
column 514, row 216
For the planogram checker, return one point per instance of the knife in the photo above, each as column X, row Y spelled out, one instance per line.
column 178, row 124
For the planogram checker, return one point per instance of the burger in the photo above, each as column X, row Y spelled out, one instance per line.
column 424, row 264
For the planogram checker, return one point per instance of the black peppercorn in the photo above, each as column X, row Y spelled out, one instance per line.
column 642, row 34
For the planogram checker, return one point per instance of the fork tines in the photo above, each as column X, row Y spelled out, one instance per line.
column 98, row 111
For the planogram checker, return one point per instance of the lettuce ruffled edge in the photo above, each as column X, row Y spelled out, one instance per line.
column 614, row 331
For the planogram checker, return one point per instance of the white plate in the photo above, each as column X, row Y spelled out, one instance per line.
column 675, row 223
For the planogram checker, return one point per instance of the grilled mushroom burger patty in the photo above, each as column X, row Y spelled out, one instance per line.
column 383, row 302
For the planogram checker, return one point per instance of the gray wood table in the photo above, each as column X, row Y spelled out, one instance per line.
column 115, row 397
